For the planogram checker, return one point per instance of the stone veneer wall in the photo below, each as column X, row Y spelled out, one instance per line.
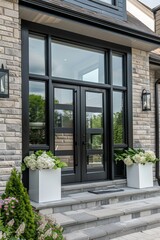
column 10, row 109
column 157, row 22
column 143, row 122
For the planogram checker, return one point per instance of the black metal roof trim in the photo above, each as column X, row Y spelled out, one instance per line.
column 154, row 59
column 156, row 9
column 83, row 18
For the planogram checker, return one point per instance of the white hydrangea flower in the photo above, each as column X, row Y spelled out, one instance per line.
column 41, row 160
column 142, row 160
column 128, row 161
column 150, row 156
column 139, row 158
column 30, row 162
column 44, row 163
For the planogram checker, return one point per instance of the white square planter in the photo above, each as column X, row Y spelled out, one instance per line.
column 140, row 176
column 45, row 185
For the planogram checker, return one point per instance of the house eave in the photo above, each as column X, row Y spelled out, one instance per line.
column 60, row 11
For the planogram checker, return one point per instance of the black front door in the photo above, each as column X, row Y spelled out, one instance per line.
column 80, row 132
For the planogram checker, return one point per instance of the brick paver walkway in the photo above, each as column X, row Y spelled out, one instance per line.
column 152, row 234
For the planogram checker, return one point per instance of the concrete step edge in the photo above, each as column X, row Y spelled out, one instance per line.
column 125, row 196
column 116, row 215
column 115, row 229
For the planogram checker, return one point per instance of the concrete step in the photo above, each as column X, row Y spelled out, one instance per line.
column 86, row 200
column 85, row 187
column 112, row 230
column 149, row 234
column 106, row 214
column 89, row 216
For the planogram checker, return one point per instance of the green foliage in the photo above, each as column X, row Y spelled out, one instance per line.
column 24, row 212
column 122, row 154
column 95, row 140
column 36, row 108
column 37, row 119
column 7, row 231
column 96, row 121
column 17, row 219
column 57, row 161
column 138, row 156
column 117, row 128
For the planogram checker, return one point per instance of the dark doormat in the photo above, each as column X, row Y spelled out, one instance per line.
column 107, row 191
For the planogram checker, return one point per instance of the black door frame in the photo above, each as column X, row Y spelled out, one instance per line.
column 107, row 47
column 79, row 151
column 76, row 175
column 98, row 174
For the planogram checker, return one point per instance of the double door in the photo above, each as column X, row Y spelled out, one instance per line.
column 80, row 132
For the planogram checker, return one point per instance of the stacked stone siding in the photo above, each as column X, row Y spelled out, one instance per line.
column 143, row 121
column 157, row 22
column 10, row 109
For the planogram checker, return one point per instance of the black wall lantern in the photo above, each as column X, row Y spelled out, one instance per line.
column 4, row 82
column 146, row 100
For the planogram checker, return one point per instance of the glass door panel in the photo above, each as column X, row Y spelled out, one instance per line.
column 79, row 127
column 93, row 134
column 64, row 127
column 94, row 161
column 95, row 141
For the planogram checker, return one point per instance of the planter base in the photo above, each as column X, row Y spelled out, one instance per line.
column 45, row 185
column 140, row 176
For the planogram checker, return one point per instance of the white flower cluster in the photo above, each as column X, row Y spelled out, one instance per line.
column 41, row 162
column 141, row 157
column 128, row 161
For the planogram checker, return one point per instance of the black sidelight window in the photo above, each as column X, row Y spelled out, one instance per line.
column 76, row 98
column 37, row 112
column 118, row 117
column 120, row 123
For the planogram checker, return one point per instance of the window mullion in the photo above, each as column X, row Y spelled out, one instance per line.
column 50, row 99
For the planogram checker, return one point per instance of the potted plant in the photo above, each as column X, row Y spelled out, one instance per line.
column 44, row 176
column 139, row 167
column 18, row 220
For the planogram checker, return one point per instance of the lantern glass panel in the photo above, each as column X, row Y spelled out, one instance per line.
column 146, row 101
column 4, row 81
